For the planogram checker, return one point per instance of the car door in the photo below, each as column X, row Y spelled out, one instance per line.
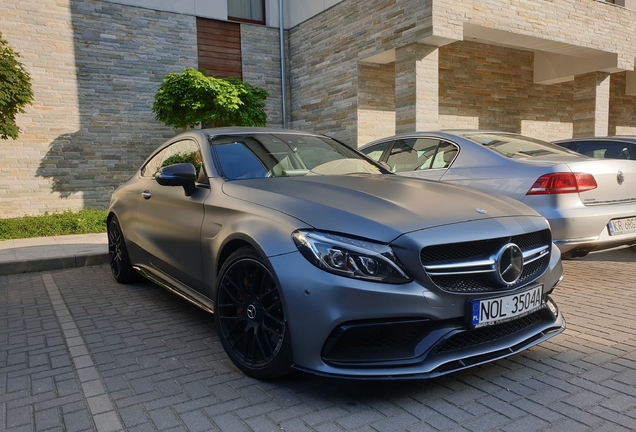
column 169, row 221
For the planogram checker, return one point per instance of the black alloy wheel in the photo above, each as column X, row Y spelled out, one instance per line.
column 250, row 318
column 120, row 266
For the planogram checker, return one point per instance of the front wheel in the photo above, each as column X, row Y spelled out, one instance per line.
column 250, row 318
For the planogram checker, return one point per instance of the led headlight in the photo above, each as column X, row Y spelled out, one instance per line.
column 350, row 257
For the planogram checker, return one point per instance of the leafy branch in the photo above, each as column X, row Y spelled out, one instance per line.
column 15, row 90
column 190, row 98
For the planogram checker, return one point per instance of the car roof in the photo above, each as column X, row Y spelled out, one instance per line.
column 240, row 130
column 443, row 133
column 616, row 138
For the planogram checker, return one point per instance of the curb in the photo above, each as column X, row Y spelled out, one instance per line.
column 47, row 264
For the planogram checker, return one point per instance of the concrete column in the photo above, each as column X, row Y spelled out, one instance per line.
column 591, row 104
column 416, row 88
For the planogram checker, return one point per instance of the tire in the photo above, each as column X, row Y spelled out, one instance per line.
column 250, row 318
column 120, row 265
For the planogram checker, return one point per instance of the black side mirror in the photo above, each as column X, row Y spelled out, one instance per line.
column 182, row 174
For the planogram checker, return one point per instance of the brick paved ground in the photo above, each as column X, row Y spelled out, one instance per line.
column 80, row 352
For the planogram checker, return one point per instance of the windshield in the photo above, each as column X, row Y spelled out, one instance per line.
column 286, row 155
column 517, row 146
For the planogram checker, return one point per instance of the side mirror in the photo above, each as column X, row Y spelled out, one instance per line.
column 182, row 174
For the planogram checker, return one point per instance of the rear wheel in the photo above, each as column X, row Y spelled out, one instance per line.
column 250, row 318
column 120, row 265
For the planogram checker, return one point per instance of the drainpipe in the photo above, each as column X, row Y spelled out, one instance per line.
column 282, row 61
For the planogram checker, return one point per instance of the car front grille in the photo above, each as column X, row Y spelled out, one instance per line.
column 472, row 267
column 401, row 342
column 471, row 338
column 375, row 341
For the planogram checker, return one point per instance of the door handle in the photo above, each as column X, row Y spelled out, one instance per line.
column 146, row 194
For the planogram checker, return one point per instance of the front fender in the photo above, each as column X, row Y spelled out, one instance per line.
column 266, row 230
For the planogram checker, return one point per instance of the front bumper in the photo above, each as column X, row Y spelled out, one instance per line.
column 324, row 310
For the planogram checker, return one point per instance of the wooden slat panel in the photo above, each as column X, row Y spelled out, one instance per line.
column 219, row 47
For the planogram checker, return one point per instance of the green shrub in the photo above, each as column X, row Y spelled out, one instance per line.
column 192, row 158
column 15, row 90
column 191, row 98
column 82, row 222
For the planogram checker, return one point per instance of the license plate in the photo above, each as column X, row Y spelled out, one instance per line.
column 500, row 309
column 622, row 226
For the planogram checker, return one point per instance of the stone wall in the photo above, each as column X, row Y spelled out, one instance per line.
column 490, row 87
column 622, row 108
column 326, row 49
column 95, row 67
column 376, row 101
column 580, row 23
column 260, row 52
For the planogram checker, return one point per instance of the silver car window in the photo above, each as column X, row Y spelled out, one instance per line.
column 414, row 154
column 375, row 152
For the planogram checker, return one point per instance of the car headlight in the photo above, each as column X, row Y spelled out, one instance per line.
column 350, row 257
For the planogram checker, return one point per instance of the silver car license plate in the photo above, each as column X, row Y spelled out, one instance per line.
column 500, row 309
column 622, row 226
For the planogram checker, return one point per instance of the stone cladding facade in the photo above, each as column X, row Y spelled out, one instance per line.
column 376, row 101
column 260, row 51
column 97, row 65
column 326, row 51
column 490, row 87
column 95, row 69
column 622, row 108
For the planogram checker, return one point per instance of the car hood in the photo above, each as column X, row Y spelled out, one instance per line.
column 380, row 207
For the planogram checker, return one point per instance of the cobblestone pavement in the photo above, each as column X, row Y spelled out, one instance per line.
column 81, row 352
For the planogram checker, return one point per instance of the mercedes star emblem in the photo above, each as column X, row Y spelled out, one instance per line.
column 509, row 264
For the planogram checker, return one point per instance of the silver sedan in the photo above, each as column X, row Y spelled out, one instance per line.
column 590, row 203
column 313, row 257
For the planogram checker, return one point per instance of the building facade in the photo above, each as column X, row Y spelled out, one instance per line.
column 354, row 69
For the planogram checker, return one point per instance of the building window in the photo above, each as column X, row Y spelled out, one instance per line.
column 246, row 10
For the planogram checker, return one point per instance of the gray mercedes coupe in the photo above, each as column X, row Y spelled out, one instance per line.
column 312, row 256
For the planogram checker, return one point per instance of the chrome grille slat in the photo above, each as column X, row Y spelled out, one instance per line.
column 535, row 254
column 470, row 267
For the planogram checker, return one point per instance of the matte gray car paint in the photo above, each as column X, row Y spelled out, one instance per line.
column 265, row 212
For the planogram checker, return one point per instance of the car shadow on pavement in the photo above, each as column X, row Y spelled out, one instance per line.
column 613, row 255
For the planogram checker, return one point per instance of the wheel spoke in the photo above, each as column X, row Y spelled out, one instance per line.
column 257, row 344
column 257, row 339
column 114, row 248
column 233, row 298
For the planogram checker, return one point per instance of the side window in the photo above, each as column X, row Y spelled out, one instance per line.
column 185, row 151
column 375, row 152
column 403, row 157
column 445, row 155
column 426, row 149
column 414, row 154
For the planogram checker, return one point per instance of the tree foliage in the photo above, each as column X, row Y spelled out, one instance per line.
column 190, row 98
column 15, row 90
